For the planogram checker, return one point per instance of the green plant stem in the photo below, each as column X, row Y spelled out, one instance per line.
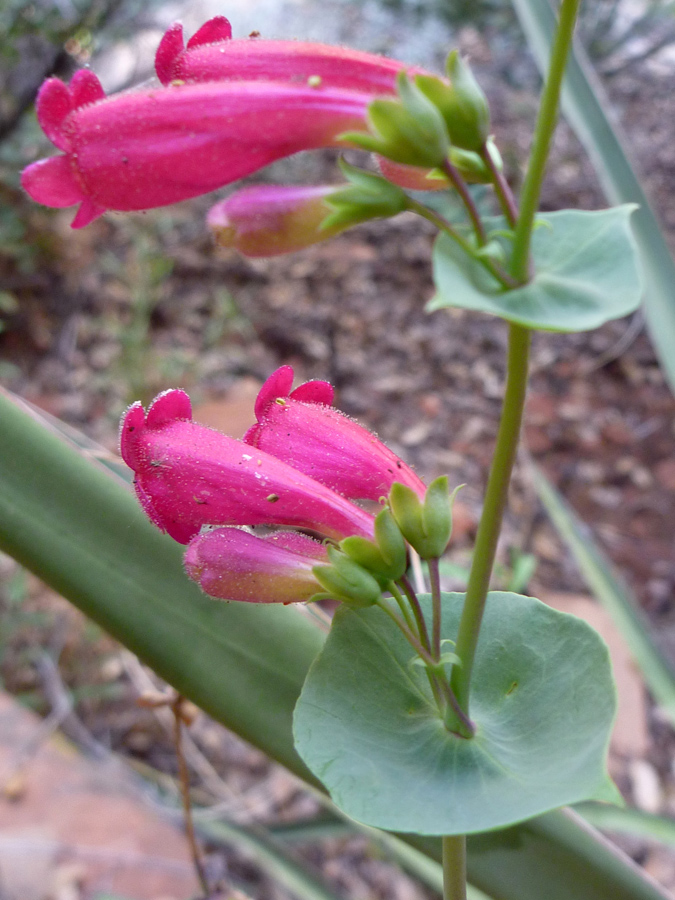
column 502, row 189
column 454, row 867
column 493, row 512
column 451, row 711
column 435, row 580
column 543, row 135
column 409, row 635
column 405, row 611
column 465, row 196
column 409, row 591
column 497, row 272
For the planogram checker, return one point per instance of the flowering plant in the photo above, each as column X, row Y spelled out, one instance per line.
column 436, row 714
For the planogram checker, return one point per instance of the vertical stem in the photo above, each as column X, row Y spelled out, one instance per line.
column 543, row 135
column 434, row 578
column 454, row 867
column 493, row 511
column 410, row 622
column 460, row 186
column 417, row 610
column 502, row 189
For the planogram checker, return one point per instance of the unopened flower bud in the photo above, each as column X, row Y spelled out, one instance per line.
column 437, row 516
column 407, row 511
column 409, row 130
column 268, row 220
column 468, row 117
column 232, row 564
column 462, row 103
column 426, row 526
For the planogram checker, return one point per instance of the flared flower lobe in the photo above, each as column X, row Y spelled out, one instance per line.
column 188, row 476
column 303, row 429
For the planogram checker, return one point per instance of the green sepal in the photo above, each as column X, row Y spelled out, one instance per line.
column 347, row 581
column 407, row 512
column 391, row 543
column 386, row 558
column 437, row 518
column 365, row 554
column 367, row 196
column 470, row 165
column 462, row 103
column 426, row 526
column 409, row 129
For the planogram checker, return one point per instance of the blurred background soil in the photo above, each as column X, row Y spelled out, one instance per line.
column 134, row 304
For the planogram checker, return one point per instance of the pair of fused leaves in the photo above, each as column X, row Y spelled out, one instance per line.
column 586, row 272
column 543, row 703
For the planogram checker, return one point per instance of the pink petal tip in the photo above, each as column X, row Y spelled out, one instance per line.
column 51, row 182
column 314, row 392
column 168, row 407
column 211, row 32
column 170, row 47
column 54, row 102
column 277, row 385
column 85, row 88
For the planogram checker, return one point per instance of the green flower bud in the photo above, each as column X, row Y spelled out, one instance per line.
column 409, row 129
column 391, row 543
column 468, row 117
column 387, row 558
column 347, row 581
column 427, row 527
column 437, row 517
column 462, row 103
column 407, row 512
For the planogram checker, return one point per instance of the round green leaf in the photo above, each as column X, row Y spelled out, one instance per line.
column 543, row 702
column 587, row 272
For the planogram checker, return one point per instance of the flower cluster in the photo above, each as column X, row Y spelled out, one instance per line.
column 225, row 109
column 301, row 466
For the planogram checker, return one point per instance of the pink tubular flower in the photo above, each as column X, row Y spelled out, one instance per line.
column 149, row 148
column 188, row 475
column 232, row 564
column 301, row 428
column 211, row 55
column 267, row 220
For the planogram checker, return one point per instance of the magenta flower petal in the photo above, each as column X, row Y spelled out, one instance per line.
column 150, row 148
column 279, row 384
column 188, row 475
column 271, row 219
column 211, row 55
column 323, row 443
column 313, row 392
column 170, row 47
column 51, row 182
column 231, row 564
column 85, row 88
column 53, row 106
column 216, row 29
column 87, row 212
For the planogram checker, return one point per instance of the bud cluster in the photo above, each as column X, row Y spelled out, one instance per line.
column 361, row 569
